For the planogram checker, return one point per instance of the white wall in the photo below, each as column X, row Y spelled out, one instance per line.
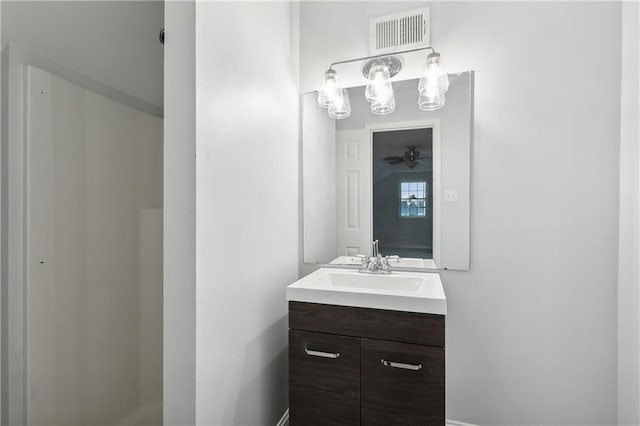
column 531, row 329
column 115, row 43
column 629, row 244
column 180, row 214
column 247, row 209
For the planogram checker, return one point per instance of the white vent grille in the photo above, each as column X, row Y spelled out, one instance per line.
column 399, row 31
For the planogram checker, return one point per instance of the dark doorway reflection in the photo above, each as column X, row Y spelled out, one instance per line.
column 403, row 192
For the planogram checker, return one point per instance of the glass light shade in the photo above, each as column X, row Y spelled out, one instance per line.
column 341, row 106
column 330, row 92
column 434, row 80
column 385, row 106
column 431, row 103
column 379, row 87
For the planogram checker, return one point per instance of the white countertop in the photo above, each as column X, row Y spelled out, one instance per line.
column 400, row 291
column 403, row 262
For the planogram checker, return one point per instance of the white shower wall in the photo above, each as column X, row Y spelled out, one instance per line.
column 94, row 258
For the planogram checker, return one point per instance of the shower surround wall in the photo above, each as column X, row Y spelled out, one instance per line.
column 94, row 306
column 94, row 262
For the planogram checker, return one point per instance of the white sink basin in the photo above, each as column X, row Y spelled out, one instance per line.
column 394, row 283
column 399, row 291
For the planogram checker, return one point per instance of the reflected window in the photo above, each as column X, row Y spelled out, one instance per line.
column 413, row 199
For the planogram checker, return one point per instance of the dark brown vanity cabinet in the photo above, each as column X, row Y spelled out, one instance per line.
column 324, row 388
column 361, row 366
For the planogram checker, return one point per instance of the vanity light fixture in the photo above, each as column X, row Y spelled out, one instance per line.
column 330, row 90
column 379, row 90
column 379, row 70
column 431, row 103
column 434, row 80
column 333, row 97
column 383, row 106
column 433, row 84
column 340, row 107
column 379, row 86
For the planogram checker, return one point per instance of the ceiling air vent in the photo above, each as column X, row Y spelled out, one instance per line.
column 399, row 31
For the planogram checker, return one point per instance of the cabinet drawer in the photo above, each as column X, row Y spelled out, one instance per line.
column 324, row 379
column 409, row 327
column 402, row 384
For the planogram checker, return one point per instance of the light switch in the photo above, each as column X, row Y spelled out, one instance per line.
column 450, row 196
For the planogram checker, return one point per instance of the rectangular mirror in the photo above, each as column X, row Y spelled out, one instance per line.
column 401, row 178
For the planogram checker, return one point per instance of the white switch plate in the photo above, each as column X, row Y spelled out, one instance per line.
column 450, row 196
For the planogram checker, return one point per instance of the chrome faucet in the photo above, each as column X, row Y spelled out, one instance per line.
column 375, row 264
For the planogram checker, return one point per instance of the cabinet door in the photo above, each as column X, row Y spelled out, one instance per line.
column 402, row 384
column 324, row 379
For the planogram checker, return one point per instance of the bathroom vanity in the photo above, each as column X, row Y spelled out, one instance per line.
column 366, row 349
column 369, row 349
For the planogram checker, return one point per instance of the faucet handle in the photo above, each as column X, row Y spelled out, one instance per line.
column 384, row 265
column 365, row 264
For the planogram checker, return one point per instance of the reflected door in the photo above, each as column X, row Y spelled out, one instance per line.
column 353, row 192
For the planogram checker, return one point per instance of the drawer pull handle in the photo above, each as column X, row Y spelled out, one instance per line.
column 401, row 365
column 322, row 354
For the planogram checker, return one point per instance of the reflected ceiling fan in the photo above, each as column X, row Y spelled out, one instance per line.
column 410, row 158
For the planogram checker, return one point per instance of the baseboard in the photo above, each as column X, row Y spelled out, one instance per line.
column 284, row 421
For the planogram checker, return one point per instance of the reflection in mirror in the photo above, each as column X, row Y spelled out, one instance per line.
column 403, row 192
column 385, row 177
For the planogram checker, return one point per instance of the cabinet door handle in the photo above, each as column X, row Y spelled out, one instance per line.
column 401, row 365
column 322, row 354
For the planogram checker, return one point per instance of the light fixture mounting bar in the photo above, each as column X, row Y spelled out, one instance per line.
column 384, row 55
